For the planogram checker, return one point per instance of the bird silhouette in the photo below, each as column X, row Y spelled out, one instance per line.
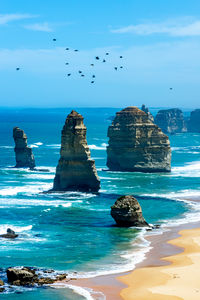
column 171, row 88
column 107, row 53
column 104, row 60
column 121, row 56
column 69, row 74
column 93, row 76
column 17, row 69
column 80, row 72
column 92, row 81
column 67, row 49
column 92, row 65
column 115, row 68
column 67, row 63
column 97, row 57
column 121, row 67
column 76, row 50
column 82, row 75
column 54, row 40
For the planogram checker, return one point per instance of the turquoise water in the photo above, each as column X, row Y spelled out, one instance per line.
column 74, row 232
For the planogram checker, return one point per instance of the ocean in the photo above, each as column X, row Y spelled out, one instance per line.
column 74, row 232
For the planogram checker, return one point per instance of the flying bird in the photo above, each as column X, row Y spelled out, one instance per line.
column 67, row 49
column 121, row 56
column 171, row 88
column 115, row 68
column 92, row 65
column 121, row 67
column 67, row 63
column 54, row 40
column 93, row 76
column 97, row 57
column 80, row 72
column 76, row 50
column 92, row 81
column 107, row 53
column 69, row 74
column 82, row 75
column 17, row 69
column 104, row 60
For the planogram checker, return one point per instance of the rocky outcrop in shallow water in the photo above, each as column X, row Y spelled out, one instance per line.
column 76, row 170
column 23, row 153
column 146, row 110
column 1, row 286
column 127, row 212
column 194, row 121
column 171, row 121
column 136, row 144
column 25, row 276
column 9, row 235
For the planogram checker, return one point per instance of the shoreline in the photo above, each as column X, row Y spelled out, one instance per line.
column 112, row 285
column 178, row 279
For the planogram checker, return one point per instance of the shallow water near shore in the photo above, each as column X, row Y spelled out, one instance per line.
column 74, row 232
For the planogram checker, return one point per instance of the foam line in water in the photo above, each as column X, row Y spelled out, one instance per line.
column 17, row 229
column 102, row 147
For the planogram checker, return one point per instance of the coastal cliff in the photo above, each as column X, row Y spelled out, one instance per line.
column 171, row 121
column 146, row 110
column 23, row 153
column 194, row 121
column 137, row 144
column 76, row 170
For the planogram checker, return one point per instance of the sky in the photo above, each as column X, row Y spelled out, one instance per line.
column 159, row 41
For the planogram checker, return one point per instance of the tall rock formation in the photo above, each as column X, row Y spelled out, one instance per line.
column 146, row 110
column 23, row 153
column 194, row 121
column 127, row 212
column 171, row 121
column 136, row 144
column 76, row 170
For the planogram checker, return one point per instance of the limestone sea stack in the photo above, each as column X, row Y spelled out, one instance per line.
column 136, row 144
column 146, row 110
column 76, row 170
column 23, row 153
column 127, row 212
column 171, row 121
column 194, row 121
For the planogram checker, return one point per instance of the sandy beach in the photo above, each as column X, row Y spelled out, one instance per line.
column 177, row 280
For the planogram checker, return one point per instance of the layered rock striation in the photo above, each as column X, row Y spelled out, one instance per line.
column 137, row 144
column 171, row 121
column 23, row 153
column 194, row 121
column 127, row 212
column 76, row 170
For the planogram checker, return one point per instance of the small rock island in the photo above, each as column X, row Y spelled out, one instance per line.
column 23, row 153
column 76, row 170
column 136, row 144
column 194, row 121
column 171, row 121
column 127, row 212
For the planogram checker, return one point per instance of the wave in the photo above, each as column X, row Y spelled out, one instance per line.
column 102, row 147
column 55, row 146
column 7, row 147
column 189, row 170
column 84, row 292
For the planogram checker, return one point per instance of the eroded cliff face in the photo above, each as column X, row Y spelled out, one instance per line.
column 146, row 110
column 137, row 144
column 171, row 121
column 76, row 170
column 23, row 153
column 194, row 121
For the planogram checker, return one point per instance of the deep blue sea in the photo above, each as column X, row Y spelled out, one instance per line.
column 74, row 232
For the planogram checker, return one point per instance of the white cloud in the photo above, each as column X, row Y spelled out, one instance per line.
column 6, row 18
column 180, row 27
column 39, row 27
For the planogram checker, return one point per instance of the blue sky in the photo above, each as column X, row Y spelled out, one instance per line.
column 159, row 41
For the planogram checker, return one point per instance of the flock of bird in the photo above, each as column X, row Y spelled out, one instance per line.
column 97, row 58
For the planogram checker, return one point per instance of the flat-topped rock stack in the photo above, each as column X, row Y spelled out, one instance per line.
column 136, row 144
column 171, row 121
column 23, row 153
column 194, row 121
column 76, row 170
